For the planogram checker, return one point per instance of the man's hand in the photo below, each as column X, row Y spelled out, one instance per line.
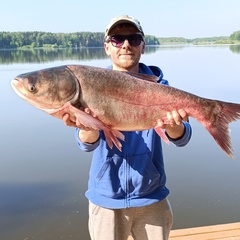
column 86, row 134
column 70, row 122
column 174, row 126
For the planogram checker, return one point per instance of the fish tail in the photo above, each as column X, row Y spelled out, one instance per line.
column 219, row 125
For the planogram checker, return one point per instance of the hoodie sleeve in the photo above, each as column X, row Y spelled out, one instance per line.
column 185, row 138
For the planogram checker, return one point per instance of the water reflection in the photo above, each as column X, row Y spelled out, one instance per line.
column 49, row 55
column 235, row 48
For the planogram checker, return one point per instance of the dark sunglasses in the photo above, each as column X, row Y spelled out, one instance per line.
column 118, row 40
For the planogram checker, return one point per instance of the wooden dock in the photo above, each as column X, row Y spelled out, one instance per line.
column 229, row 231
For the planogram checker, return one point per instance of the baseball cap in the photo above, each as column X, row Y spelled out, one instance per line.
column 123, row 19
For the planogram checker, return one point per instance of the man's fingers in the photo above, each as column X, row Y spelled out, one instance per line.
column 170, row 119
column 177, row 118
column 160, row 123
column 67, row 120
column 183, row 115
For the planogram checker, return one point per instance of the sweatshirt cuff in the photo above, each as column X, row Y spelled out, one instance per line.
column 184, row 139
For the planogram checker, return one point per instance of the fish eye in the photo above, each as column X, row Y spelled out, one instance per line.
column 32, row 88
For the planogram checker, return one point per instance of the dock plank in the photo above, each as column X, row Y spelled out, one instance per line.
column 229, row 231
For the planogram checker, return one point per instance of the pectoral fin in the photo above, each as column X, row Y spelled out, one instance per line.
column 112, row 135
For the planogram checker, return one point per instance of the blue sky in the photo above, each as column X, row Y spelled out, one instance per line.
column 162, row 18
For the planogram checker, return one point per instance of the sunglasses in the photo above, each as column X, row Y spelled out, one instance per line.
column 118, row 40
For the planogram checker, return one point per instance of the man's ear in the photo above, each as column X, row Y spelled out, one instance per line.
column 107, row 50
column 143, row 48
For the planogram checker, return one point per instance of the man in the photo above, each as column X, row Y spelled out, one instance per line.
column 126, row 191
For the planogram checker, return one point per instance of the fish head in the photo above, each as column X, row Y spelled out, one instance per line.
column 47, row 89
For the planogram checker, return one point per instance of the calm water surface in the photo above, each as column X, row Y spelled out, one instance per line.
column 43, row 175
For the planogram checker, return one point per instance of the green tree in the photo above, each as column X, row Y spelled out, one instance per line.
column 235, row 36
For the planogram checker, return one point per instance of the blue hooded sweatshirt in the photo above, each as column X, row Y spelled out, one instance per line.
column 134, row 177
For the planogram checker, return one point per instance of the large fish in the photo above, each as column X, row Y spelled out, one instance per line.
column 120, row 101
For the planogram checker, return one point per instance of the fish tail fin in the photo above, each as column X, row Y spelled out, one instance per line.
column 219, row 128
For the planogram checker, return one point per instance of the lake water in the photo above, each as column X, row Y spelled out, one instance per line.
column 43, row 175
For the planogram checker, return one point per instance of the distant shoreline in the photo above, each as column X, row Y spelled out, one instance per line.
column 33, row 40
column 54, row 48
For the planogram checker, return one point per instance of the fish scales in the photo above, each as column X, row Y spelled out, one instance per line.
column 137, row 98
column 124, row 94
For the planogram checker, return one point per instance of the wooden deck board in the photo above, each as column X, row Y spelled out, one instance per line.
column 229, row 231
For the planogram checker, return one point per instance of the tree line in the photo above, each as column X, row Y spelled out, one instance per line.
column 16, row 40
column 21, row 40
column 234, row 38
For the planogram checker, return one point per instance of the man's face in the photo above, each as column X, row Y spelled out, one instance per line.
column 125, row 57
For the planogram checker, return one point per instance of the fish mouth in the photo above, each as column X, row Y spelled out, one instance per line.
column 19, row 89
